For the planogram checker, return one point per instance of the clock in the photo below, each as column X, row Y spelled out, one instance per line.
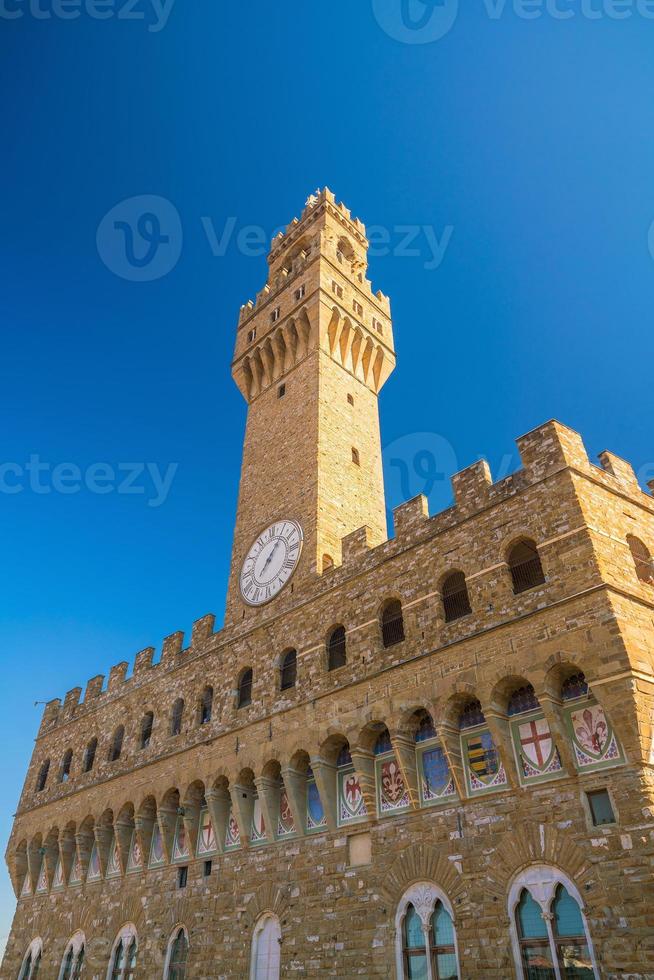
column 270, row 562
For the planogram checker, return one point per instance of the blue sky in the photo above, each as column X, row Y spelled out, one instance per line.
column 522, row 147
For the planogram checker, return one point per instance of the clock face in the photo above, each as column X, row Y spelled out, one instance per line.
column 270, row 562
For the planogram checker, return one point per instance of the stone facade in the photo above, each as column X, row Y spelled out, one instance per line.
column 102, row 849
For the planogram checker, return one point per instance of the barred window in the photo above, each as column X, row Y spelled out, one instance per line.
column 177, row 716
column 89, row 755
column 523, row 699
column 336, row 648
column 525, row 566
column 392, row 623
column 43, row 776
column 288, row 670
column 245, row 689
column 146, row 729
column 117, row 744
column 456, row 601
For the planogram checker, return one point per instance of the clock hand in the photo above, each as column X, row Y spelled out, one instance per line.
column 270, row 556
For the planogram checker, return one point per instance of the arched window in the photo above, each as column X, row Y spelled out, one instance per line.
column 73, row 961
column 117, row 744
column 523, row 699
column 642, row 559
column 575, row 686
column 176, row 717
column 146, row 729
column 548, row 930
column 42, row 778
column 288, row 670
column 425, row 940
column 392, row 623
column 31, row 961
column 122, row 965
column 206, row 706
column 456, row 601
column 89, row 755
column 66, row 763
column 525, row 566
column 177, row 955
column 244, row 697
column 265, row 963
column 336, row 649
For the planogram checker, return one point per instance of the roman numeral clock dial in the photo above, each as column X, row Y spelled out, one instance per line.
column 270, row 562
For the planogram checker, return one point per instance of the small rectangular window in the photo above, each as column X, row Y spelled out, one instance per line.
column 182, row 876
column 601, row 809
column 207, row 868
column 275, row 315
column 299, row 293
column 378, row 326
column 357, row 307
column 339, row 256
column 251, row 335
column 338, row 290
column 281, row 391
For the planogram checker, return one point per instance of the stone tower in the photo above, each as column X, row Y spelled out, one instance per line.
column 312, row 353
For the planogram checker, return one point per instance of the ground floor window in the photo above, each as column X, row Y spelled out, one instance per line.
column 266, row 949
column 425, row 935
column 550, row 934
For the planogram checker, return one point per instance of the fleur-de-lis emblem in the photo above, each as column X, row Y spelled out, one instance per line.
column 593, row 733
column 392, row 782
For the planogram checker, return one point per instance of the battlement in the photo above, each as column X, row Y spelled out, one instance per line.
column 173, row 653
column 292, row 250
column 545, row 451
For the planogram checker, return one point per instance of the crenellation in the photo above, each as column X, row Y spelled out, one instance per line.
column 410, row 516
column 117, row 676
column 355, row 545
column 93, row 688
column 471, row 487
column 202, row 629
column 143, row 661
column 172, row 648
column 620, row 469
column 551, row 447
column 50, row 715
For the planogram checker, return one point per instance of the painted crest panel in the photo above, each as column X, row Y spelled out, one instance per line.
column 93, row 873
column 351, row 805
column 436, row 783
column 76, row 871
column 27, row 886
column 113, row 864
column 536, row 754
column 135, row 857
column 157, row 856
column 180, row 845
column 285, row 823
column 316, row 818
column 258, row 828
column 42, row 880
column 392, row 793
column 593, row 740
column 483, row 768
column 206, row 837
column 58, row 880
column 232, row 834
